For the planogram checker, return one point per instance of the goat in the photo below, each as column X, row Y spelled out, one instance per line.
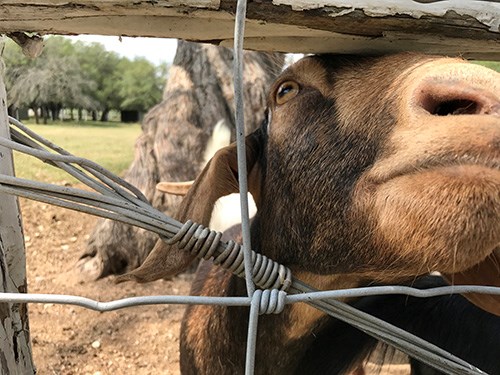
column 366, row 169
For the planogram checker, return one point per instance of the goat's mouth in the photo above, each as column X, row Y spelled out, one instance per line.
column 460, row 166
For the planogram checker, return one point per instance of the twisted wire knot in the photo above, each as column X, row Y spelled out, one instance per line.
column 271, row 301
column 206, row 244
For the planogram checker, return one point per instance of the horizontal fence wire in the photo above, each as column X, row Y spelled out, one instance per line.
column 115, row 199
column 99, row 306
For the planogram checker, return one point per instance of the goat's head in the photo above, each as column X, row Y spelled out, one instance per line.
column 383, row 167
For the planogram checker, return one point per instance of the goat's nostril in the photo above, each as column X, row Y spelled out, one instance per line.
column 452, row 99
column 455, row 107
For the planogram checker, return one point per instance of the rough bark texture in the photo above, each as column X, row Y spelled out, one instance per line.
column 15, row 349
column 199, row 93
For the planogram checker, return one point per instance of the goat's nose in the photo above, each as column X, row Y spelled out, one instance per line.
column 456, row 97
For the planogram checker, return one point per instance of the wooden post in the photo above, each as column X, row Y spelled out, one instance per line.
column 15, row 349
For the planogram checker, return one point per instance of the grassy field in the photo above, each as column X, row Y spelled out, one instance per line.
column 110, row 145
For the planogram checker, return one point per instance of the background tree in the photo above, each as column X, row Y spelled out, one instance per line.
column 51, row 82
column 100, row 67
column 140, row 87
column 81, row 76
column 198, row 94
column 51, row 85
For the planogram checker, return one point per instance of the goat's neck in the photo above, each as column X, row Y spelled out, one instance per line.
column 297, row 326
column 282, row 338
column 303, row 318
column 287, row 335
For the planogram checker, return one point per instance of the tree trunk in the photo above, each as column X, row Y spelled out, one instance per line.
column 54, row 113
column 94, row 115
column 15, row 349
column 13, row 111
column 45, row 113
column 198, row 94
column 104, row 115
column 35, row 111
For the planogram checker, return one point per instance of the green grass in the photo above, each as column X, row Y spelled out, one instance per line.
column 110, row 145
column 495, row 65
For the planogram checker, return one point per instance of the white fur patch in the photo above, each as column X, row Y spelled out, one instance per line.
column 227, row 212
column 221, row 137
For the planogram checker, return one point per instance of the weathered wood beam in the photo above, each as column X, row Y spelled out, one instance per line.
column 469, row 28
column 15, row 348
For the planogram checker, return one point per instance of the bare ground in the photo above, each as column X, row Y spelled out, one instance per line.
column 74, row 340
column 70, row 340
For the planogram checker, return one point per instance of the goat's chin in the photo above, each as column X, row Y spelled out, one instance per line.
column 443, row 219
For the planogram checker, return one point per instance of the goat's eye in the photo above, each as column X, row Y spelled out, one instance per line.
column 286, row 91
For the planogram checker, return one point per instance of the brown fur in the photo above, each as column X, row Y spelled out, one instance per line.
column 360, row 174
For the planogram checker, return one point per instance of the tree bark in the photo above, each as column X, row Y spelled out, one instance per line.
column 15, row 349
column 198, row 94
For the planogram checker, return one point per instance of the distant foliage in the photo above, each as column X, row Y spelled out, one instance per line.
column 140, row 86
column 80, row 76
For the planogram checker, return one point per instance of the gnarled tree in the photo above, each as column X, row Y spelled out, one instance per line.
column 198, row 95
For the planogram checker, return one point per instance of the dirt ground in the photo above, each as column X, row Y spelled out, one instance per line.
column 72, row 340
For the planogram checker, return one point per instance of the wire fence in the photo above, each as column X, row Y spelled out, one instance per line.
column 114, row 198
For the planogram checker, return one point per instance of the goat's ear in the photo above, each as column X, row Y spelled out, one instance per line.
column 219, row 178
column 485, row 273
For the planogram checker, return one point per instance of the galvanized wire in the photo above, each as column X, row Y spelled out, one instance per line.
column 100, row 306
column 91, row 304
column 253, row 321
column 239, row 31
column 116, row 200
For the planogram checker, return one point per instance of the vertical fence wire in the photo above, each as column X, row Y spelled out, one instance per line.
column 239, row 31
column 252, row 333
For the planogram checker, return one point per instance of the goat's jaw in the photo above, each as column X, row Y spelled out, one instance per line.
column 445, row 219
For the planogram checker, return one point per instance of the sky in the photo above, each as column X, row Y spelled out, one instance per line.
column 156, row 50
